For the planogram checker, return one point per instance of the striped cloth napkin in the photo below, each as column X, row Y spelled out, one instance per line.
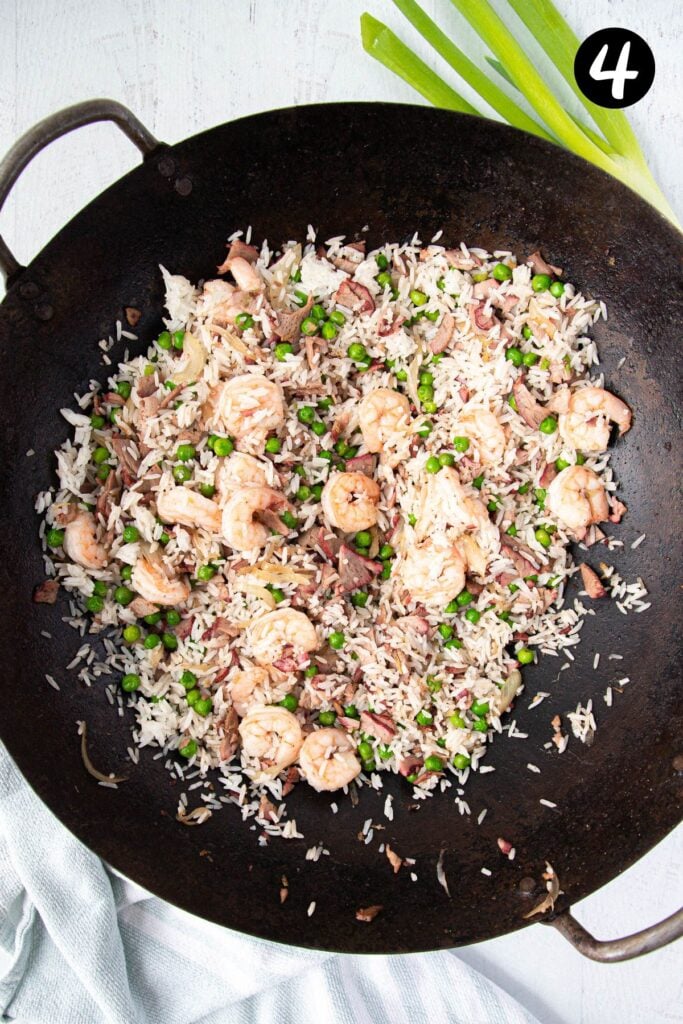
column 81, row 945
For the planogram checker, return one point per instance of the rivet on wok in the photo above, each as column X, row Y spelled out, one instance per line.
column 28, row 289
column 526, row 886
column 677, row 763
column 183, row 186
column 44, row 311
column 166, row 166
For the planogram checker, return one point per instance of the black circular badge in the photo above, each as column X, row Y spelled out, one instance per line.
column 614, row 67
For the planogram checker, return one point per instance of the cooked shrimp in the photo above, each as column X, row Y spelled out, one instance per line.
column 271, row 741
column 586, row 424
column 221, row 302
column 81, row 543
column 328, row 759
column 240, row 527
column 244, row 686
column 578, row 498
column 239, row 470
column 152, row 581
column 433, row 571
column 446, row 500
column 246, row 276
column 349, row 500
column 181, row 505
column 382, row 415
column 284, row 627
column 483, row 428
column 248, row 408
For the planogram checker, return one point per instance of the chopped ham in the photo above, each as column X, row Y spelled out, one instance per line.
column 184, row 627
column 481, row 320
column 288, row 321
column 380, row 726
column 414, row 622
column 548, row 475
column 340, row 423
column 366, row 464
column 390, row 327
column 46, row 592
column 591, row 581
column 266, row 810
column 528, row 408
column 324, row 540
column 291, row 779
column 230, row 737
column 344, row 263
column 239, row 250
column 128, row 464
column 504, row 846
column 540, row 266
column 408, row 765
column 103, row 504
column 146, row 386
column 355, row 571
column 171, row 396
column 113, row 398
column 444, row 335
column 355, row 296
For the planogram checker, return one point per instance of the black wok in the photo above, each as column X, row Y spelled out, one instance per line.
column 397, row 169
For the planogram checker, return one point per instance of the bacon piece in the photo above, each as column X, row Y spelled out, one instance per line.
column 591, row 581
column 480, row 320
column 618, row 510
column 408, row 765
column 528, row 408
column 355, row 296
column 324, row 540
column 380, row 726
column 291, row 779
column 238, row 250
column 548, row 475
column 146, row 386
column 132, row 315
column 385, row 328
column 230, row 741
column 414, row 622
column 46, row 592
column 184, row 627
column 366, row 464
column 444, row 335
column 128, row 464
column 355, row 571
column 368, row 914
column 540, row 266
column 288, row 321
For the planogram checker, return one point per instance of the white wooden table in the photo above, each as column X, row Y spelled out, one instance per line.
column 185, row 66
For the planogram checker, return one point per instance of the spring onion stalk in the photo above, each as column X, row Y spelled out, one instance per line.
column 615, row 151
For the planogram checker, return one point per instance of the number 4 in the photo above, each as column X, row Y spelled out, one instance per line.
column 620, row 73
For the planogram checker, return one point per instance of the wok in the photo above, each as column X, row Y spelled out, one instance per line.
column 397, row 169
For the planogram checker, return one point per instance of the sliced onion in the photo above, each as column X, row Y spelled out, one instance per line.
column 89, row 766
column 508, row 691
column 193, row 362
column 197, row 816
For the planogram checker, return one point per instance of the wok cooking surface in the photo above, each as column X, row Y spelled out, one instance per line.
column 396, row 169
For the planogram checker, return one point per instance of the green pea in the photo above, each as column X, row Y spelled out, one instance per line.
column 402, row 375
column 327, row 718
column 309, row 326
column 311, row 671
column 131, row 634
column 164, row 538
column 206, row 573
column 124, row 388
column 131, row 534
column 530, row 358
column 445, row 630
column 130, row 682
column 493, row 505
column 289, row 519
column 100, row 588
column 306, row 414
column 412, row 519
column 561, row 464
column 384, row 279
column 525, row 656
column 365, row 750
column 540, row 282
column 501, row 272
column 513, row 588
column 480, row 708
column 178, row 340
column 480, row 725
column 359, row 599
column 182, row 474
column 223, row 446
column 478, row 481
column 148, row 370
column 430, row 407
column 207, row 490
column 357, row 352
column 441, row 284
column 512, row 530
column 203, row 706
column 381, row 261
column 447, row 459
column 433, row 684
column 185, row 452
column 426, row 378
column 169, row 641
column 425, row 392
column 542, row 536
column 151, row 641
column 505, row 617
column 544, row 364
column 580, row 459
column 424, row 717
column 417, row 298
column 123, row 596
column 336, row 640
column 464, row 598
column 97, row 422
column 461, row 761
column 282, row 350
column 539, row 496
column 433, row 315
column 451, row 608
column 548, row 425
column 153, row 619
column 328, row 330
column 432, row 465
column 514, row 356
column 318, row 312
column 351, row 711
column 453, row 644
column 316, row 491
column 164, row 340
column 100, row 455
column 524, row 488
column 363, row 539
column 556, row 289
column 385, row 753
column 319, row 428
column 304, row 493
column 457, row 720
column 94, row 604
column 192, row 696
column 337, row 317
column 472, row 615
column 433, row 763
column 527, row 332
column 169, row 385
column 386, row 570
column 54, row 538
column 188, row 749
column 412, row 778
column 386, row 551
column 277, row 594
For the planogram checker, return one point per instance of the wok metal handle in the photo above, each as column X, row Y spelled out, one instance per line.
column 612, row 951
column 53, row 127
